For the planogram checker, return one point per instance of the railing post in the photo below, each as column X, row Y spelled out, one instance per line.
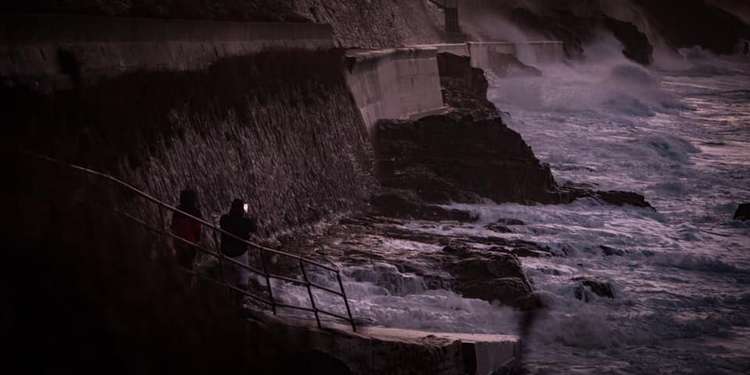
column 346, row 301
column 268, row 280
column 309, row 292
column 222, row 273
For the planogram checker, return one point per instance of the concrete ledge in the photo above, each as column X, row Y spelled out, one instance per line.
column 380, row 350
column 394, row 83
column 43, row 50
column 484, row 54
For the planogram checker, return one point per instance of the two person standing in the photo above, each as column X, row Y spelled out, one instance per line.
column 236, row 222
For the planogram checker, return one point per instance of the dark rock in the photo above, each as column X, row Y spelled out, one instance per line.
column 499, row 228
column 588, row 287
column 556, row 28
column 491, row 276
column 508, row 290
column 463, row 86
column 571, row 191
column 621, row 198
column 689, row 23
column 470, row 157
column 508, row 65
column 405, row 205
column 611, row 251
column 743, row 212
column 637, row 46
column 510, row 222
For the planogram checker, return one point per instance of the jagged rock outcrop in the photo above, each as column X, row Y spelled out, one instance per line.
column 689, row 23
column 456, row 155
column 488, row 275
column 469, row 153
column 588, row 287
column 405, row 204
column 464, row 86
column 743, row 212
column 718, row 26
column 636, row 43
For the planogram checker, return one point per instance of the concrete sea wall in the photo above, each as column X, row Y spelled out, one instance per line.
column 394, row 83
column 215, row 106
column 484, row 55
column 58, row 51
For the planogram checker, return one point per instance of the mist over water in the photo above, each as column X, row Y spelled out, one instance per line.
column 682, row 138
column 679, row 133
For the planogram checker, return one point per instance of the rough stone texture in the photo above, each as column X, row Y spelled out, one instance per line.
column 238, row 10
column 488, row 275
column 710, row 27
column 635, row 23
column 589, row 287
column 464, row 86
column 405, row 204
column 279, row 129
column 637, row 46
column 743, row 212
column 48, row 52
column 376, row 23
column 484, row 157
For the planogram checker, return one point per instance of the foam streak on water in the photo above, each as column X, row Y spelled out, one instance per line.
column 683, row 284
column 681, row 274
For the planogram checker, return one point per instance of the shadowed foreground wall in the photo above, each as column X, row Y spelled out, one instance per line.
column 278, row 128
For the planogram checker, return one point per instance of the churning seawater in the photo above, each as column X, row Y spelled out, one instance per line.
column 680, row 273
column 681, row 137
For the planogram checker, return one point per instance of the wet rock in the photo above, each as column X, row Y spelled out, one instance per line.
column 611, row 251
column 507, row 221
column 637, row 46
column 508, row 290
column 405, row 204
column 499, row 228
column 572, row 191
column 456, row 157
column 588, row 287
column 743, row 212
column 491, row 276
column 464, row 86
column 621, row 198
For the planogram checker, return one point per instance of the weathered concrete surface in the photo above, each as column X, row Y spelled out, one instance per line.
column 489, row 55
column 379, row 350
column 398, row 83
column 58, row 51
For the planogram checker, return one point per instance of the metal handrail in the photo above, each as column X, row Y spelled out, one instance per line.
column 302, row 261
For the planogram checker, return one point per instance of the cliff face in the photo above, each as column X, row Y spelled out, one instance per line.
column 464, row 155
column 366, row 24
column 278, row 129
column 639, row 25
column 376, row 23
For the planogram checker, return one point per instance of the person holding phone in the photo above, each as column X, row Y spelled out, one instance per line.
column 240, row 225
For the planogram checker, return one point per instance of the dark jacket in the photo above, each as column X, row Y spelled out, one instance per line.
column 239, row 225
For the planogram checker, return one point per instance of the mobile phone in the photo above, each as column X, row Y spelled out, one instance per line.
column 244, row 207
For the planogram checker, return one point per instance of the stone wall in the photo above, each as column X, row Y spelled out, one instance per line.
column 394, row 83
column 278, row 129
column 59, row 51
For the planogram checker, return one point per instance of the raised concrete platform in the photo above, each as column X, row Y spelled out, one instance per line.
column 483, row 54
column 400, row 83
column 380, row 350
